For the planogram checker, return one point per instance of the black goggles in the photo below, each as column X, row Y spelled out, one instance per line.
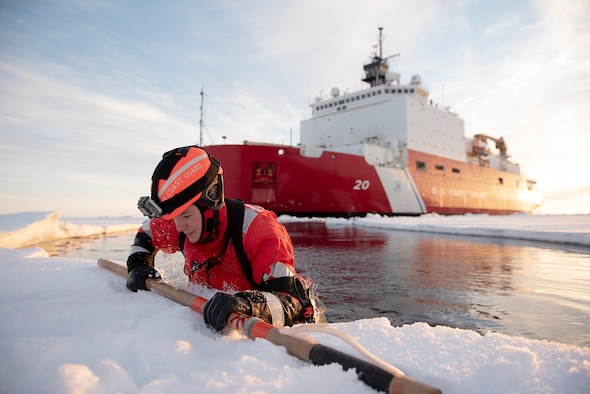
column 212, row 196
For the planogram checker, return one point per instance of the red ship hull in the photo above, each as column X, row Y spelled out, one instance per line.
column 279, row 178
column 461, row 188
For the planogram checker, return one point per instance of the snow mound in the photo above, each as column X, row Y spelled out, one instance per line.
column 70, row 327
column 24, row 229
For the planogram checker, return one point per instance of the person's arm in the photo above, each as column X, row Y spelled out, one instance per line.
column 154, row 235
column 287, row 301
column 140, row 262
column 281, row 298
column 280, row 302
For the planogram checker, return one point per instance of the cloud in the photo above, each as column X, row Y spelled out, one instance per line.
column 52, row 101
column 507, row 22
column 62, row 139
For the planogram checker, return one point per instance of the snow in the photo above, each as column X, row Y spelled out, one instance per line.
column 32, row 228
column 562, row 229
column 70, row 327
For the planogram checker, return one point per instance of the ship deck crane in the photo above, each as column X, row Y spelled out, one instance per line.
column 500, row 143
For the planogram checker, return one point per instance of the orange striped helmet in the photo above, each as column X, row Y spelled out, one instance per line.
column 185, row 176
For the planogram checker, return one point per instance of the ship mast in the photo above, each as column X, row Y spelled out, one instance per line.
column 376, row 71
column 201, row 121
column 380, row 43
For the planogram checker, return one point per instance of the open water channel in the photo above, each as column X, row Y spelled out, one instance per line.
column 519, row 288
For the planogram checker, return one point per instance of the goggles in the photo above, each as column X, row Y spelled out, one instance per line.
column 212, row 196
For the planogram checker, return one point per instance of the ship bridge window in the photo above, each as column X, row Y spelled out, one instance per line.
column 420, row 166
column 405, row 90
column 439, row 167
column 411, row 90
column 386, row 90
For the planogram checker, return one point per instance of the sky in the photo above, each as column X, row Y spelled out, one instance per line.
column 71, row 327
column 92, row 92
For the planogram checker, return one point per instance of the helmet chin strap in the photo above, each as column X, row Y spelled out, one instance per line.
column 210, row 224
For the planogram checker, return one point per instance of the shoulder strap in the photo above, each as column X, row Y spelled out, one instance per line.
column 235, row 222
column 181, row 240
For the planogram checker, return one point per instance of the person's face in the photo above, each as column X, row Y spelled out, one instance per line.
column 190, row 223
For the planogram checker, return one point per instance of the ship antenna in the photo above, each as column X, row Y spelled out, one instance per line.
column 380, row 43
column 201, row 120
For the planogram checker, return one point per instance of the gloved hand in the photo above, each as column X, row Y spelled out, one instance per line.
column 137, row 276
column 220, row 306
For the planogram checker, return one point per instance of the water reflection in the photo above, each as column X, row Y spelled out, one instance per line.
column 93, row 247
column 443, row 263
column 339, row 259
column 476, row 283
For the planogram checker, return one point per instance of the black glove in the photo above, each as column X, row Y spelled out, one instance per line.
column 220, row 306
column 137, row 276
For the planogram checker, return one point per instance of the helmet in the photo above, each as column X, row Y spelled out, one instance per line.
column 185, row 176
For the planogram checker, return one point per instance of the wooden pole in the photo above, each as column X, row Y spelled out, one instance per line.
column 303, row 348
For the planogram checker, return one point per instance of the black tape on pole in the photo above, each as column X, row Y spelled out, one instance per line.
column 372, row 375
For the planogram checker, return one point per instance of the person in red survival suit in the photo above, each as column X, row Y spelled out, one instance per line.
column 227, row 245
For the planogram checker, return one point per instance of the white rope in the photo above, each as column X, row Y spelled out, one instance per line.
column 324, row 328
column 276, row 309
